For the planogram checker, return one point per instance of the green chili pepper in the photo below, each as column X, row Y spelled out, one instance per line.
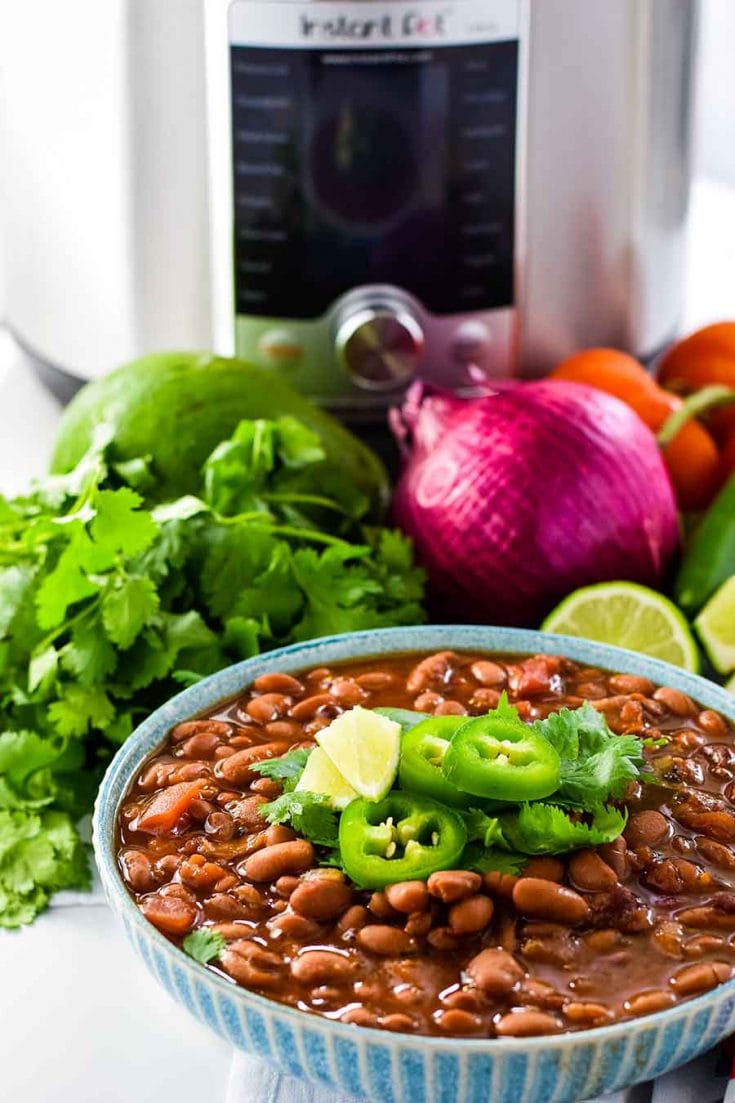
column 710, row 560
column 404, row 837
column 422, row 753
column 499, row 757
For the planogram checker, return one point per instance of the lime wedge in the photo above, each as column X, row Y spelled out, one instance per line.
column 627, row 615
column 322, row 776
column 715, row 627
column 363, row 746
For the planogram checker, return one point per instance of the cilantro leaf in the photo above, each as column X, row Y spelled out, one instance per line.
column 477, row 858
column 310, row 815
column 119, row 524
column 80, row 709
column 596, row 764
column 288, row 768
column 15, row 585
column 40, row 853
column 544, row 828
column 407, row 718
column 482, row 828
column 127, row 607
column 204, row 945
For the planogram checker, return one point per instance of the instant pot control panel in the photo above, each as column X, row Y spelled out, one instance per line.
column 374, row 151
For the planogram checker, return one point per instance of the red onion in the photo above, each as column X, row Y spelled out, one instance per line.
column 514, row 499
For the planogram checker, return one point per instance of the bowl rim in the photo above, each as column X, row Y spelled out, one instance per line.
column 369, row 643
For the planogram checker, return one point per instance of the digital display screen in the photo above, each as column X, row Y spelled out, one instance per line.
column 356, row 167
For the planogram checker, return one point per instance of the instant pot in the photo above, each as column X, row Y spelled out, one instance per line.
column 351, row 193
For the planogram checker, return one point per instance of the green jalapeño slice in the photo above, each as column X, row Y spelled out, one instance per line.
column 422, row 753
column 503, row 759
column 404, row 837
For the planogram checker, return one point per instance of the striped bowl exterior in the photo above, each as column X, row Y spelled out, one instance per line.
column 402, row 1068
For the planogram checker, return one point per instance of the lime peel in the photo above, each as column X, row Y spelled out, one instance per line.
column 715, row 627
column 321, row 776
column 363, row 746
column 628, row 615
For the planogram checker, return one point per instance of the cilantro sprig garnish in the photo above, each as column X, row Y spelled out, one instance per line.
column 204, row 945
column 109, row 603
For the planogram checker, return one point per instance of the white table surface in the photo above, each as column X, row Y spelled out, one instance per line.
column 81, row 1020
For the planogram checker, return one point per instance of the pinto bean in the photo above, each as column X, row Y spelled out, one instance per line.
column 586, row 1014
column 675, row 701
column 646, row 828
column 381, row 907
column 431, row 671
column 386, row 941
column 458, row 1022
column 676, row 875
column 354, row 918
column 251, row 965
column 589, row 873
column 471, row 915
column 278, row 683
column 645, row 1003
column 703, row 944
column 707, row 916
column 199, row 874
column 347, row 692
column 427, row 701
column 247, row 812
column 499, row 885
column 237, row 769
column 268, row 787
column 291, row 925
column 305, row 710
column 546, row 900
column 418, row 924
column 494, row 971
column 322, row 966
column 444, row 939
column 194, row 727
column 545, row 867
column 488, row 673
column 273, row 861
column 173, row 914
column 524, row 1023
column 615, row 854
column 268, row 707
column 630, row 683
column 321, row 899
column 717, row 853
column 201, row 745
column 450, row 708
column 485, row 699
column 374, row 679
column 398, row 1022
column 700, row 977
column 451, row 885
column 711, row 722
column 408, row 897
column 138, row 871
column 223, row 906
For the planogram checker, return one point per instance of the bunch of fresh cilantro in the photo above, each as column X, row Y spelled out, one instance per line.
column 107, row 607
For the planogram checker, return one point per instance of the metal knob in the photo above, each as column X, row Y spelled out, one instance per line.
column 380, row 346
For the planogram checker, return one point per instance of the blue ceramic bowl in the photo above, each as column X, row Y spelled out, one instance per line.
column 404, row 1068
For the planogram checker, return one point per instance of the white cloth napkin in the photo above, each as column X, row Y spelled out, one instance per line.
column 704, row 1080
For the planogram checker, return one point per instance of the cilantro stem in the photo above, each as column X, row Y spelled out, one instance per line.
column 309, row 534
column 307, row 499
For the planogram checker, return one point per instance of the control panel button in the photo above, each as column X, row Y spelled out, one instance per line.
column 380, row 347
column 279, row 348
column 471, row 343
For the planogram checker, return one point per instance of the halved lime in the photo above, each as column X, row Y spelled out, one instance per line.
column 715, row 627
column 322, row 776
column 627, row 615
column 363, row 746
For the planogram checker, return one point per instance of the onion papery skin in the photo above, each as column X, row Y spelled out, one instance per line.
column 514, row 499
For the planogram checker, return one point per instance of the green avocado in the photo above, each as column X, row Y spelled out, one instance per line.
column 177, row 406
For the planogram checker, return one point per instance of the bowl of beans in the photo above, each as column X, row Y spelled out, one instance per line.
column 435, row 863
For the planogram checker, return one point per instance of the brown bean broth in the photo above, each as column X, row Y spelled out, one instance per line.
column 576, row 976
